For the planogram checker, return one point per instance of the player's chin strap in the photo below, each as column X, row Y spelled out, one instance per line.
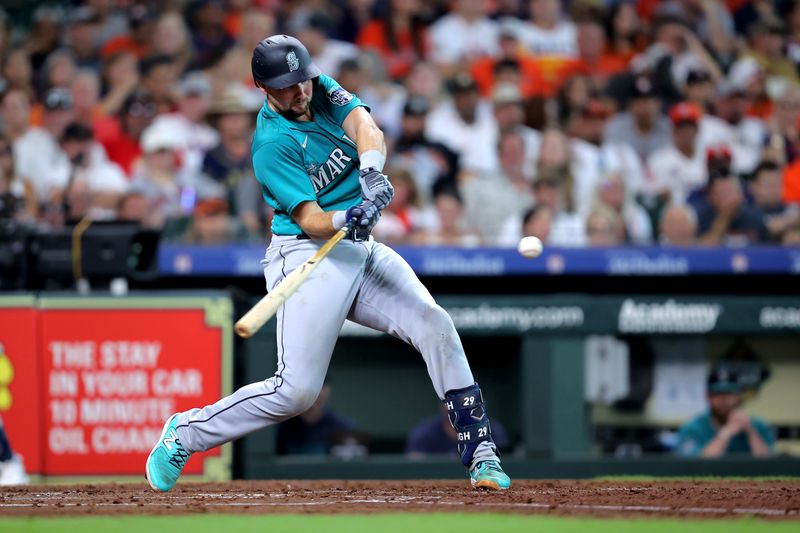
column 468, row 416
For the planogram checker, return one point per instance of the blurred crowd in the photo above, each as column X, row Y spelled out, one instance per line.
column 583, row 122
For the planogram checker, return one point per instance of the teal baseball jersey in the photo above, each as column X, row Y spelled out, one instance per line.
column 298, row 162
column 698, row 432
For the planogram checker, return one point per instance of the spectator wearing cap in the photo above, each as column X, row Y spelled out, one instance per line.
column 430, row 163
column 399, row 37
column 677, row 226
column 91, row 184
column 187, row 124
column 139, row 40
column 509, row 113
column 37, row 150
column 548, row 33
column 725, row 429
column 724, row 217
column 766, row 192
column 463, row 35
column 597, row 159
column 642, row 126
column 120, row 135
column 748, row 133
column 173, row 192
column 678, row 168
column 767, row 42
column 466, row 125
column 312, row 30
column 489, row 199
column 230, row 162
column 700, row 90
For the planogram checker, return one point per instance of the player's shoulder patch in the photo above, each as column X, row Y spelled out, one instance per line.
column 340, row 97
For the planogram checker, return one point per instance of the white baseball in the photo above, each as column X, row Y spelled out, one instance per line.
column 530, row 246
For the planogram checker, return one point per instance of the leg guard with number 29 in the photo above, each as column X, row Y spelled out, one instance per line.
column 467, row 414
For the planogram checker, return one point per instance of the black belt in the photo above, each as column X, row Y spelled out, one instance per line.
column 304, row 236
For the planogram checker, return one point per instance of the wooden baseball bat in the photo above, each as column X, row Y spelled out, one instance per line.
column 262, row 311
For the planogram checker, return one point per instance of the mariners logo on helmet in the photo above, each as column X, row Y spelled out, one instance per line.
column 292, row 61
column 340, row 96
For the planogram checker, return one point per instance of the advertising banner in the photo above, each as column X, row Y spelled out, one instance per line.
column 20, row 401
column 113, row 370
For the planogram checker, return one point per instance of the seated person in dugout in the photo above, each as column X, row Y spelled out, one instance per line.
column 725, row 429
column 320, row 431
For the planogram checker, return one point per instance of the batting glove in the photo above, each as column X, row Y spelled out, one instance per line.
column 375, row 186
column 366, row 215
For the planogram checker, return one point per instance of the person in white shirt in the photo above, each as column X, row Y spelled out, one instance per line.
column 567, row 229
column 36, row 151
column 547, row 34
column 491, row 198
column 596, row 158
column 675, row 171
column 749, row 133
column 642, row 125
column 509, row 113
column 187, row 125
column 463, row 35
column 83, row 179
column 466, row 125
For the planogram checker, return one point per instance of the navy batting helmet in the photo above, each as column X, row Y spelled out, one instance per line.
column 281, row 61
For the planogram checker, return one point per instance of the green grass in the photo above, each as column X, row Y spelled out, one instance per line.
column 790, row 479
column 383, row 523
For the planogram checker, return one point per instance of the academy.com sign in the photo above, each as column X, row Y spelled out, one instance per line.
column 517, row 318
column 667, row 317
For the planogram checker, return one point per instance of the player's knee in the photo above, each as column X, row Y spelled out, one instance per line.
column 298, row 400
column 437, row 320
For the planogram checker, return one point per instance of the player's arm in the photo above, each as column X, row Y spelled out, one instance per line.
column 371, row 147
column 316, row 223
column 319, row 224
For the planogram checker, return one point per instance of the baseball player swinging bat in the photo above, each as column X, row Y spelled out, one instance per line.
column 318, row 156
column 266, row 308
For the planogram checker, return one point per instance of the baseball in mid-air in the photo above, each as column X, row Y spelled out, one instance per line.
column 530, row 247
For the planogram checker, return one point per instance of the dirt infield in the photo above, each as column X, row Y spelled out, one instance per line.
column 725, row 499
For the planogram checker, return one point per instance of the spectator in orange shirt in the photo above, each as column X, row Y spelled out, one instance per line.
column 485, row 70
column 400, row 37
column 594, row 60
column 139, row 41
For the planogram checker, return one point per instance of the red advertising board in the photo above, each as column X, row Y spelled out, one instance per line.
column 20, row 401
column 113, row 374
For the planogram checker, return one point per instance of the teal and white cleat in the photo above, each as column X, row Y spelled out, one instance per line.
column 489, row 475
column 167, row 459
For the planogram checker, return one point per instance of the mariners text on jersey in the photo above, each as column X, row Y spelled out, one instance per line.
column 297, row 162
